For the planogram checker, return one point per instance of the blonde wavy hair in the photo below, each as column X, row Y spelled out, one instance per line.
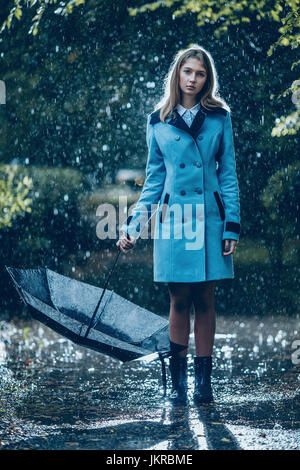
column 208, row 96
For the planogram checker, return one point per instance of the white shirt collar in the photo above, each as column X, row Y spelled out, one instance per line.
column 181, row 109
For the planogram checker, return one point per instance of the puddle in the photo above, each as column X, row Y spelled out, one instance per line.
column 58, row 395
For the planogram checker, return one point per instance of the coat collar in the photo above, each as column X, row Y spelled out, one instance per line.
column 177, row 121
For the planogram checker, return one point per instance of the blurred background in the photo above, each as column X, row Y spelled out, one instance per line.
column 80, row 78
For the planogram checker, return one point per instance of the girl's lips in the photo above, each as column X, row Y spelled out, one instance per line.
column 191, row 87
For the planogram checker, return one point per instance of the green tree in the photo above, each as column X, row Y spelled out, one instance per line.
column 14, row 200
column 224, row 14
column 39, row 7
column 281, row 200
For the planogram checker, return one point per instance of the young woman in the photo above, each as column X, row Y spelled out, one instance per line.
column 191, row 176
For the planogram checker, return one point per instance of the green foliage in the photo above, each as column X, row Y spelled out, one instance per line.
column 290, row 33
column 65, row 8
column 52, row 190
column 224, row 14
column 55, row 193
column 290, row 36
column 14, row 190
column 287, row 124
column 54, row 227
column 51, row 184
column 281, row 199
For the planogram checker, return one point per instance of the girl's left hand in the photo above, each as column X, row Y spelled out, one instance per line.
column 229, row 246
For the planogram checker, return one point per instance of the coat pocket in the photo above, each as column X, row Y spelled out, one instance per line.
column 220, row 205
column 164, row 207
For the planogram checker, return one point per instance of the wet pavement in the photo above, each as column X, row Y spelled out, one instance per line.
column 57, row 395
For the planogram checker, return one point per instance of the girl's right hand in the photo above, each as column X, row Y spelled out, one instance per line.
column 124, row 243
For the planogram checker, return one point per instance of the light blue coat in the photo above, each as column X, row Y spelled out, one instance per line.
column 191, row 186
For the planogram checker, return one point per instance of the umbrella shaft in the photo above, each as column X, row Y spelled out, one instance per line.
column 103, row 292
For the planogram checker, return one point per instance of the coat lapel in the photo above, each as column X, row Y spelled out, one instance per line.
column 179, row 122
column 197, row 123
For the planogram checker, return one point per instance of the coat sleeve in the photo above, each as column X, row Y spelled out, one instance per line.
column 228, row 183
column 153, row 186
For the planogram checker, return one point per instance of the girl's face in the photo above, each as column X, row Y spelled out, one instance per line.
column 192, row 76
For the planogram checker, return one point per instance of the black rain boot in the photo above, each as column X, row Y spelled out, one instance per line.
column 178, row 369
column 203, row 390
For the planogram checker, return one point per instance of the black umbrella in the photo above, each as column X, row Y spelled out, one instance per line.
column 93, row 317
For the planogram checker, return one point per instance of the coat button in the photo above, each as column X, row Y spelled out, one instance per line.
column 177, row 137
column 200, row 137
column 198, row 164
column 182, row 192
column 182, row 165
column 198, row 190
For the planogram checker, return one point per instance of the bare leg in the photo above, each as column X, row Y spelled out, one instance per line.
column 204, row 317
column 180, row 306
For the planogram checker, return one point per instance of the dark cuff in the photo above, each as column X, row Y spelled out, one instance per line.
column 233, row 227
column 128, row 220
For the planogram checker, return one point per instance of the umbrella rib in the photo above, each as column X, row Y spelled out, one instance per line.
column 104, row 289
column 100, row 314
column 51, row 291
column 17, row 286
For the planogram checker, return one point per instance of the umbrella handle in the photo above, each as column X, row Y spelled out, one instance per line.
column 104, row 289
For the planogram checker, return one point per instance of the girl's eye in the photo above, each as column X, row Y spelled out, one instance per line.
column 200, row 73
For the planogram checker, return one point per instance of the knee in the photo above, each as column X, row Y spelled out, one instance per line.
column 203, row 298
column 204, row 305
column 181, row 305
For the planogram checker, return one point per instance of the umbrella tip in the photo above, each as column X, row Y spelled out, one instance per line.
column 8, row 269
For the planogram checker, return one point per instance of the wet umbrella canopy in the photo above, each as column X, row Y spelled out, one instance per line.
column 121, row 329
column 91, row 316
